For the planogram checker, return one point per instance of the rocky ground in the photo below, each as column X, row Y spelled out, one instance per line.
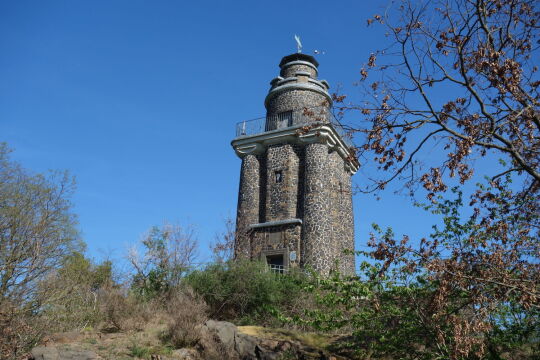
column 220, row 340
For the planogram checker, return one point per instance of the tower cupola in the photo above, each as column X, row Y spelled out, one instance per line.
column 297, row 86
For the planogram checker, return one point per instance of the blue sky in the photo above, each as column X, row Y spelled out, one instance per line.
column 139, row 100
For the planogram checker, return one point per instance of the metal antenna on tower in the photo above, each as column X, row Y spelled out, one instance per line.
column 298, row 43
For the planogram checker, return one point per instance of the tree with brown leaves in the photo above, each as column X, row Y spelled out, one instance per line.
column 458, row 89
column 459, row 78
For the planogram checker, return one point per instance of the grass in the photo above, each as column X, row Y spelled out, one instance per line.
column 92, row 341
column 139, row 351
column 144, row 352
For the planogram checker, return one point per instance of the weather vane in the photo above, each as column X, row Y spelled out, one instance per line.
column 298, row 43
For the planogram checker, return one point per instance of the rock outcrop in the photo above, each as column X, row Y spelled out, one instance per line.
column 239, row 345
column 219, row 340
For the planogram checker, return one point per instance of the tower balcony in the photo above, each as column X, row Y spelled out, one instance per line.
column 294, row 118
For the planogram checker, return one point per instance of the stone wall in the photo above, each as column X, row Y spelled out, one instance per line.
column 282, row 179
column 295, row 100
column 248, row 204
column 291, row 70
column 318, row 247
column 274, row 239
column 347, row 236
column 316, row 188
column 341, row 213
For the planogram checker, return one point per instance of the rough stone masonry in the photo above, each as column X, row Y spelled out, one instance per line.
column 295, row 199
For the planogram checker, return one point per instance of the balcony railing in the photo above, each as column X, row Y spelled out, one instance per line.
column 293, row 118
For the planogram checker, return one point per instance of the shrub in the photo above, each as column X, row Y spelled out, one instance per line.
column 18, row 332
column 244, row 291
column 121, row 310
column 186, row 311
column 69, row 297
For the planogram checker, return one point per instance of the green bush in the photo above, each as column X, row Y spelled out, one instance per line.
column 139, row 351
column 245, row 291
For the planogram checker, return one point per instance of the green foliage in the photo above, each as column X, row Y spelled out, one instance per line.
column 138, row 351
column 387, row 319
column 513, row 329
column 382, row 316
column 154, row 281
column 149, row 286
column 244, row 290
column 77, row 268
column 464, row 293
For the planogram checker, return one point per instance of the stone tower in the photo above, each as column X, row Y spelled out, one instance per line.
column 295, row 200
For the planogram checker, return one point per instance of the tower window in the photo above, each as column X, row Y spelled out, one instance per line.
column 278, row 176
column 275, row 263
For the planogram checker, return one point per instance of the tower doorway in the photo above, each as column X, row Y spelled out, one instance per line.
column 275, row 263
column 276, row 260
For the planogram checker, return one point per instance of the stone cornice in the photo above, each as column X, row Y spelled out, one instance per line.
column 299, row 134
column 276, row 223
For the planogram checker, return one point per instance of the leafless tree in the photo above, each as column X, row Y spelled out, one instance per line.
column 169, row 250
column 223, row 245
